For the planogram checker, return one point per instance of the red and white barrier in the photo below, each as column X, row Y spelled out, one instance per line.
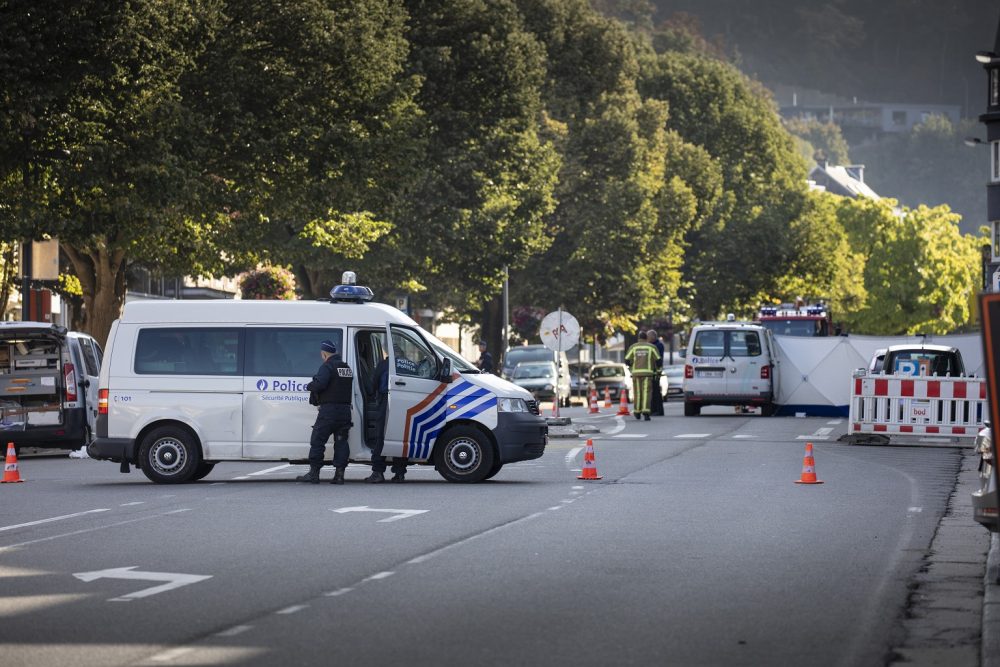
column 907, row 405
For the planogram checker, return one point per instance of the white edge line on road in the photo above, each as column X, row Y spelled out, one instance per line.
column 339, row 592
column 692, row 435
column 138, row 502
column 9, row 547
column 233, row 631
column 55, row 518
column 270, row 470
column 377, row 576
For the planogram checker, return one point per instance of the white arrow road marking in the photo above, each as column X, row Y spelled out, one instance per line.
column 400, row 514
column 173, row 579
column 820, row 434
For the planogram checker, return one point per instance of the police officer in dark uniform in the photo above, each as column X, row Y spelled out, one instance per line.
column 331, row 390
column 404, row 366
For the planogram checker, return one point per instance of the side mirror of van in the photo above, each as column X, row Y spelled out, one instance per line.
column 445, row 375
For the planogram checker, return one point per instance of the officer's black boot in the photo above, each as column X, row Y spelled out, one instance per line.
column 312, row 476
column 375, row 478
column 338, row 476
column 398, row 477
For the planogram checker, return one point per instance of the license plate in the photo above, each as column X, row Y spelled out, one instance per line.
column 709, row 374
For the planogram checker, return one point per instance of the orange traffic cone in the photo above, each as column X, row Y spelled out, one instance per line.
column 808, row 468
column 10, row 473
column 555, row 406
column 607, row 397
column 589, row 467
column 592, row 403
column 623, row 404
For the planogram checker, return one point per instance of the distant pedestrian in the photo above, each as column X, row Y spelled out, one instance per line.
column 485, row 363
column 330, row 390
column 642, row 358
column 656, row 404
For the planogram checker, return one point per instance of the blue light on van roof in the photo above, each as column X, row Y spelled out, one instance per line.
column 350, row 292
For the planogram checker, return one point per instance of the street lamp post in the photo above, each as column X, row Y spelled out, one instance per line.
column 991, row 119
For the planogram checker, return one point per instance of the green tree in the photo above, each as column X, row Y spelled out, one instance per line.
column 98, row 136
column 920, row 272
column 824, row 139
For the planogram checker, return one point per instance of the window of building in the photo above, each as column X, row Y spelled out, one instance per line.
column 184, row 351
column 899, row 118
column 995, row 87
column 995, row 161
column 287, row 351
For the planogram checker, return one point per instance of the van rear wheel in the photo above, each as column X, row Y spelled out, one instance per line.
column 691, row 409
column 463, row 454
column 169, row 455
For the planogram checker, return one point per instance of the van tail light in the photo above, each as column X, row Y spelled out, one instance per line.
column 102, row 401
column 69, row 375
column 765, row 372
column 688, row 371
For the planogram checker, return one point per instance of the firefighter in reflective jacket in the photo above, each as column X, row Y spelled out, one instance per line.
column 330, row 389
column 642, row 358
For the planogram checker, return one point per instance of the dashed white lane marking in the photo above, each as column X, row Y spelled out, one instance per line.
column 571, row 454
column 233, row 631
column 55, row 518
column 173, row 653
column 914, row 509
column 377, row 576
column 339, row 592
column 683, row 436
column 576, row 488
column 185, row 509
column 270, row 470
column 293, row 609
column 834, row 422
column 631, row 435
column 138, row 502
column 431, row 554
column 557, row 507
column 743, row 437
column 820, row 434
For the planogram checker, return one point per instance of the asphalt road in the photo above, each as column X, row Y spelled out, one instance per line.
column 696, row 547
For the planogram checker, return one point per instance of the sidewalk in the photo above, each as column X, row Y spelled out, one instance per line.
column 953, row 617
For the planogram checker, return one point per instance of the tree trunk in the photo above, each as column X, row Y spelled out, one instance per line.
column 102, row 276
column 491, row 330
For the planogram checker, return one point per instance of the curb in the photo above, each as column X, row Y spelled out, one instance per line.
column 990, row 642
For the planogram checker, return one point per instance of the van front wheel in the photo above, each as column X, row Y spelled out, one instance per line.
column 169, row 455
column 463, row 454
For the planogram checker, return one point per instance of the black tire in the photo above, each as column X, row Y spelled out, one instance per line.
column 202, row 471
column 464, row 454
column 768, row 410
column 169, row 455
column 691, row 409
column 493, row 471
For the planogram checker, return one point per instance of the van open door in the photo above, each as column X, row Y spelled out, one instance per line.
column 415, row 414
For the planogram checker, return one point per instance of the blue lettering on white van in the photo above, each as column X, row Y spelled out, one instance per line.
column 281, row 385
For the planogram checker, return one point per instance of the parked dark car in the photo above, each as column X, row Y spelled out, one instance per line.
column 540, row 378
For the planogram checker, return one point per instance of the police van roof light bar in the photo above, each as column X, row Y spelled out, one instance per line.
column 349, row 291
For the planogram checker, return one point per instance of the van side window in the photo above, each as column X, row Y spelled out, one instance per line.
column 744, row 344
column 90, row 358
column 188, row 351
column 709, row 343
column 287, row 351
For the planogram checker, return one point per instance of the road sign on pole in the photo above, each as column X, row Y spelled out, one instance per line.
column 559, row 331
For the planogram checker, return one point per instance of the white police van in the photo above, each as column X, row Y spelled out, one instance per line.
column 186, row 384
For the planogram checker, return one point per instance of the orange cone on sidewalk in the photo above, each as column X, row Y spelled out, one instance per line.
column 592, row 403
column 10, row 473
column 808, row 468
column 589, row 466
column 623, row 403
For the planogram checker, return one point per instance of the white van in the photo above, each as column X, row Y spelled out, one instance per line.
column 730, row 363
column 186, row 384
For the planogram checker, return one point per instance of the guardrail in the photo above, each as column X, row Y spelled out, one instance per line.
column 908, row 405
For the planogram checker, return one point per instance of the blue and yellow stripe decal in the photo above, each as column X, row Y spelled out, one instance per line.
column 460, row 399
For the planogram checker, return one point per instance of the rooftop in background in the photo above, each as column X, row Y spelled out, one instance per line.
column 846, row 181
